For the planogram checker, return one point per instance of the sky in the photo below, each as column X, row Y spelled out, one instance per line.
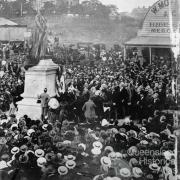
column 128, row 5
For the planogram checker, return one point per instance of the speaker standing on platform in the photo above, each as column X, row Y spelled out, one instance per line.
column 44, row 97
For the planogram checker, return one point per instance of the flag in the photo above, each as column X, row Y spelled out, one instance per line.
column 174, row 27
column 173, row 87
column 62, row 87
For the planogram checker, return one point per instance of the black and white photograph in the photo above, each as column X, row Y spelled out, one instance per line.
column 89, row 89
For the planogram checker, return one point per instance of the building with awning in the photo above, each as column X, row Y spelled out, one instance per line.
column 11, row 31
column 159, row 35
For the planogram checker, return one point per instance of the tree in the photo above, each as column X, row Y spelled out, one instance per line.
column 49, row 7
column 62, row 8
column 95, row 8
column 113, row 9
column 77, row 9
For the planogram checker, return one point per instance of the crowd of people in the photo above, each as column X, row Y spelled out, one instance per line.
column 128, row 89
column 32, row 149
column 110, row 124
column 12, row 76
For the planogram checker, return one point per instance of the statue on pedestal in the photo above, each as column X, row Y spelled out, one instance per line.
column 37, row 49
column 39, row 37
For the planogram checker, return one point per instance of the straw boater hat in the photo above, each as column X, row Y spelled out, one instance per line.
column 97, row 144
column 154, row 167
column 41, row 161
column 27, row 137
column 137, row 172
column 119, row 155
column 109, row 148
column 144, row 142
column 29, row 151
column 13, row 125
column 106, row 161
column 30, row 131
column 96, row 151
column 132, row 133
column 14, row 150
column 98, row 177
column 82, row 145
column 62, row 170
column 122, row 130
column 60, row 146
column 44, row 127
column 172, row 137
column 112, row 155
column 39, row 153
column 132, row 151
column 114, row 131
column 52, row 133
column 133, row 162
column 143, row 129
column 124, row 172
column 70, row 164
column 66, row 142
column 69, row 157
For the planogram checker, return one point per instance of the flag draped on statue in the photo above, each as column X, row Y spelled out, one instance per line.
column 174, row 27
column 173, row 87
column 62, row 87
column 60, row 80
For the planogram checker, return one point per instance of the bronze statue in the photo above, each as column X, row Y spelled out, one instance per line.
column 38, row 47
column 39, row 37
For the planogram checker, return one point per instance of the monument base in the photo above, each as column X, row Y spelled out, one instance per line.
column 30, row 107
column 36, row 79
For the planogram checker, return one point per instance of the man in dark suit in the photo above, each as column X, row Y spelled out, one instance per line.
column 116, row 100
column 124, row 97
column 142, row 106
column 44, row 97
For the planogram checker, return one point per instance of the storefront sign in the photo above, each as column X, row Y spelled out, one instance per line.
column 157, row 20
column 159, row 5
column 162, row 27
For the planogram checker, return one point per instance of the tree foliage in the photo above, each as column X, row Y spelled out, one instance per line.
column 22, row 7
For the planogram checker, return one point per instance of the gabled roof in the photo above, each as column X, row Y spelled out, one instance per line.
column 4, row 21
column 150, row 41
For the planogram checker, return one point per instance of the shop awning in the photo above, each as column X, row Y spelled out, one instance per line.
column 149, row 41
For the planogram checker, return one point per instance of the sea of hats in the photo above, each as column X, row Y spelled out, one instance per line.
column 80, row 152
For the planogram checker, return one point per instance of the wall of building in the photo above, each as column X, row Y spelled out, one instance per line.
column 12, row 33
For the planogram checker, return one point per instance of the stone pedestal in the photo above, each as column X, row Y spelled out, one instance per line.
column 36, row 79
